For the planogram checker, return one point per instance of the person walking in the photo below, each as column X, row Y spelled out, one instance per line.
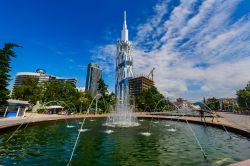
column 214, row 116
column 202, row 115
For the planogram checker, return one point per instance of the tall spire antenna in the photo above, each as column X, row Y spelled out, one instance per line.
column 124, row 21
column 124, row 33
column 124, row 15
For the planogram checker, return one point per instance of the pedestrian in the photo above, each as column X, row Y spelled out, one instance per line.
column 215, row 116
column 202, row 115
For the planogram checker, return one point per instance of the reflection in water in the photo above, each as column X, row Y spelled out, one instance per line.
column 145, row 133
column 108, row 131
column 51, row 144
column 172, row 130
column 83, row 130
column 70, row 126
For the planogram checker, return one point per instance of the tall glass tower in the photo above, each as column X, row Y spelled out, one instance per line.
column 93, row 75
column 124, row 63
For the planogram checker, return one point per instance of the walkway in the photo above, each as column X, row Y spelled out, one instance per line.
column 232, row 122
column 241, row 121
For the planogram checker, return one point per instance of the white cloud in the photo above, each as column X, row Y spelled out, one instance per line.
column 69, row 60
column 151, row 28
column 197, row 51
column 105, row 56
column 82, row 67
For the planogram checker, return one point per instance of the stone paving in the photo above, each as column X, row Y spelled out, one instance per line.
column 241, row 121
column 226, row 118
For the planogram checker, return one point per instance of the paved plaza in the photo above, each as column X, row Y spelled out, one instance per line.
column 241, row 121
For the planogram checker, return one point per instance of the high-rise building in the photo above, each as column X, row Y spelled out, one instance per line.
column 139, row 84
column 124, row 63
column 41, row 75
column 94, row 73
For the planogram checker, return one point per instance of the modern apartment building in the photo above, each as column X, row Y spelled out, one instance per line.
column 94, row 73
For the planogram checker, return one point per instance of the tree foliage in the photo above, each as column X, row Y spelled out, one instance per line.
column 47, row 91
column 213, row 103
column 30, row 90
column 151, row 100
column 107, row 99
column 243, row 96
column 5, row 59
column 84, row 101
column 102, row 87
column 63, row 91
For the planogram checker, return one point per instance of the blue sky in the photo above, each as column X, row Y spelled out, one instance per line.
column 199, row 48
column 60, row 36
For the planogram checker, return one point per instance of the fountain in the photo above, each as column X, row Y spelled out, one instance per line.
column 45, row 144
column 122, row 115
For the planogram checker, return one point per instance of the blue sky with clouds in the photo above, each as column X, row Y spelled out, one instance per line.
column 199, row 48
column 60, row 35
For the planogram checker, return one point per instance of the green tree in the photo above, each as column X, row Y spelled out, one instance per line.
column 243, row 97
column 213, row 103
column 30, row 90
column 102, row 87
column 107, row 99
column 63, row 91
column 84, row 101
column 5, row 59
column 151, row 100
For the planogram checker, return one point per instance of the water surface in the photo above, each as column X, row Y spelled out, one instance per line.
column 152, row 143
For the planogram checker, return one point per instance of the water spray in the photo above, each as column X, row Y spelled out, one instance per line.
column 221, row 123
column 79, row 132
column 197, row 140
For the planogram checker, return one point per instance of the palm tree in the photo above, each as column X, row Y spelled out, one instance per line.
column 5, row 58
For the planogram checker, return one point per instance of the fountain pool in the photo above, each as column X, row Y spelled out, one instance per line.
column 167, row 143
column 122, row 115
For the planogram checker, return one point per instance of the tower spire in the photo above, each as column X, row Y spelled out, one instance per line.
column 124, row 33
column 125, row 23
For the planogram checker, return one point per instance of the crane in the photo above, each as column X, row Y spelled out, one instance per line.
column 151, row 73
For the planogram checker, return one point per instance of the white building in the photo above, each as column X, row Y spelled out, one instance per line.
column 124, row 63
column 41, row 75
